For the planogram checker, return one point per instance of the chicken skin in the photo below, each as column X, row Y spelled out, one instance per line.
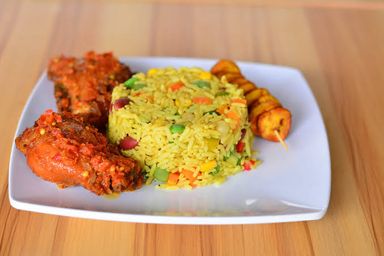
column 60, row 148
column 83, row 86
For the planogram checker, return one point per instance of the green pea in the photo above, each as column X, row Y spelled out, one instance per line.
column 138, row 86
column 216, row 170
column 211, row 112
column 177, row 128
column 222, row 94
column 130, row 82
column 202, row 84
column 161, row 174
column 231, row 153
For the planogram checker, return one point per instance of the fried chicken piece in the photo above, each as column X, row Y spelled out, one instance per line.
column 83, row 86
column 60, row 148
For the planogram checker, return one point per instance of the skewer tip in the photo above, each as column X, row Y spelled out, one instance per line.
column 281, row 140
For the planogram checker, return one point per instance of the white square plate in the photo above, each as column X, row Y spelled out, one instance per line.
column 291, row 185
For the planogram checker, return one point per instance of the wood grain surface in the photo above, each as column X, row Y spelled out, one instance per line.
column 339, row 46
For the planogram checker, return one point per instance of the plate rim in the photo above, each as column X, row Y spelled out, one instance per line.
column 162, row 219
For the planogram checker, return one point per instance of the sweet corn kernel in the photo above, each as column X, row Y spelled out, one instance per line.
column 187, row 103
column 85, row 174
column 208, row 166
column 205, row 75
column 152, row 71
column 42, row 131
column 212, row 144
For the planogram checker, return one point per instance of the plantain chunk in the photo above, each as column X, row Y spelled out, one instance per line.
column 226, row 66
column 254, row 95
column 261, row 108
column 266, row 98
column 247, row 87
column 240, row 80
column 232, row 76
column 277, row 119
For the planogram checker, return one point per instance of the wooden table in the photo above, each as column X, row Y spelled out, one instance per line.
column 339, row 46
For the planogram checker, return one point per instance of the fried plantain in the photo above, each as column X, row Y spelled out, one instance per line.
column 266, row 114
column 277, row 119
column 226, row 66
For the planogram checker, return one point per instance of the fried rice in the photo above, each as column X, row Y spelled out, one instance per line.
column 186, row 127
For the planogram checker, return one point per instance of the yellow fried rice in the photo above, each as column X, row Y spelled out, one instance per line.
column 182, row 121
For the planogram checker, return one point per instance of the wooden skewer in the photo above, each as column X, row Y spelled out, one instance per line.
column 281, row 140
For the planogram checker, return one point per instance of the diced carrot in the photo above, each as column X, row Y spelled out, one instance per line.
column 202, row 100
column 222, row 109
column 192, row 180
column 238, row 100
column 176, row 86
column 173, row 178
column 188, row 175
column 233, row 115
